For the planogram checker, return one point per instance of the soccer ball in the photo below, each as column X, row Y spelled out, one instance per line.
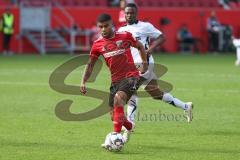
column 114, row 141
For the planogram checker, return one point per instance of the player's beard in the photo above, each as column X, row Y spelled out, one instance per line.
column 107, row 34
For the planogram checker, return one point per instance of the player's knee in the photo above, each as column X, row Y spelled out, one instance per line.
column 156, row 93
column 119, row 99
column 153, row 89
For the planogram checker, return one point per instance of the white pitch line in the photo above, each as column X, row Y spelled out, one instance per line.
column 24, row 84
column 204, row 75
column 198, row 74
column 36, row 84
column 208, row 90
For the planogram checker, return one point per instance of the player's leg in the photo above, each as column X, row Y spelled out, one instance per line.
column 119, row 119
column 129, row 87
column 5, row 39
column 117, row 99
column 153, row 89
column 237, row 63
column 133, row 103
column 118, row 110
column 112, row 93
column 121, row 86
column 236, row 43
column 132, row 108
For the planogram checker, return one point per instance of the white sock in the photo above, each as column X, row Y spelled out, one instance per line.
column 168, row 98
column 131, row 108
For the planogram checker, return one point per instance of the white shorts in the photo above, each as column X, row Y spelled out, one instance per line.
column 149, row 74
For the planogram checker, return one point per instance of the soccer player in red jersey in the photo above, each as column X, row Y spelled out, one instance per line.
column 115, row 48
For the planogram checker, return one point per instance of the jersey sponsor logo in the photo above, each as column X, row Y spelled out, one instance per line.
column 113, row 53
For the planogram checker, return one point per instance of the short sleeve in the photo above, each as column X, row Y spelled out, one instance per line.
column 152, row 32
column 94, row 53
column 132, row 39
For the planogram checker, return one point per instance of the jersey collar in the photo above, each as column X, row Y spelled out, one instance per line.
column 136, row 22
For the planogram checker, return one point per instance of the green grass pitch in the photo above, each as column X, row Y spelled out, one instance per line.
column 30, row 130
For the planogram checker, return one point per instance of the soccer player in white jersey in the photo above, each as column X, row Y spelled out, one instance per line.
column 144, row 31
column 236, row 43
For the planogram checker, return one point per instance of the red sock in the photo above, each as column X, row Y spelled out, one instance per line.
column 118, row 118
column 127, row 124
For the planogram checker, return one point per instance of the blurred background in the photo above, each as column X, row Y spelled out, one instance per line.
column 68, row 26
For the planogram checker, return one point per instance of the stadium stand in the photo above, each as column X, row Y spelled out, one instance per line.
column 178, row 3
column 141, row 3
column 226, row 4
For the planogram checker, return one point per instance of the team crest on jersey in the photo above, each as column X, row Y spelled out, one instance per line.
column 119, row 43
column 125, row 45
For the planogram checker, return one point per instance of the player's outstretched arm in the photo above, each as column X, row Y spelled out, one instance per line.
column 143, row 55
column 87, row 73
column 158, row 41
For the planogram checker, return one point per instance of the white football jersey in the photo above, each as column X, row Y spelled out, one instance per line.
column 143, row 32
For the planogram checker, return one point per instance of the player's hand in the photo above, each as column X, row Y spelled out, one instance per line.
column 83, row 88
column 149, row 52
column 145, row 67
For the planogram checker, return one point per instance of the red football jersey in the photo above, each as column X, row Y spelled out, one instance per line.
column 117, row 54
